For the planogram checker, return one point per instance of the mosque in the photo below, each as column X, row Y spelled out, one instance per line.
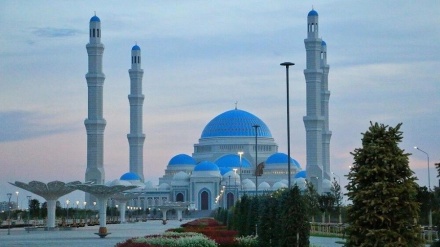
column 235, row 154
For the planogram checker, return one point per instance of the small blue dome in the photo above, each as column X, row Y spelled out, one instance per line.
column 313, row 13
column 232, row 160
column 136, row 48
column 301, row 174
column 181, row 159
column 95, row 18
column 235, row 123
column 206, row 166
column 130, row 176
column 224, row 170
column 281, row 158
column 323, row 43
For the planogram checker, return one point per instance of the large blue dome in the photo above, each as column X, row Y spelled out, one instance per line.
column 206, row 166
column 281, row 158
column 135, row 48
column 235, row 123
column 181, row 159
column 232, row 160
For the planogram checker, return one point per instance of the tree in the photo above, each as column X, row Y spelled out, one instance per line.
column 312, row 200
column 34, row 208
column 294, row 219
column 383, row 191
column 337, row 195
column 326, row 205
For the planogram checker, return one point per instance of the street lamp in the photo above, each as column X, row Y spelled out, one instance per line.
column 9, row 212
column 339, row 178
column 67, row 212
column 256, row 126
column 29, row 208
column 287, row 64
column 16, row 192
column 429, row 188
column 241, row 184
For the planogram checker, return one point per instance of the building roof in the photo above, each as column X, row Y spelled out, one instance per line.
column 95, row 18
column 235, row 123
column 136, row 48
column 130, row 176
column 323, row 43
column 206, row 166
column 233, row 161
column 281, row 159
column 313, row 13
column 181, row 159
column 301, row 174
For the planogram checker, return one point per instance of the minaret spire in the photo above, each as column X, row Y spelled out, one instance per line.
column 136, row 99
column 95, row 123
column 314, row 120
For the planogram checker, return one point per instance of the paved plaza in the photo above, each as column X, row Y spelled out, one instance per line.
column 85, row 236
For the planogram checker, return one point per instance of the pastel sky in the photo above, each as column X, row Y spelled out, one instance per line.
column 199, row 58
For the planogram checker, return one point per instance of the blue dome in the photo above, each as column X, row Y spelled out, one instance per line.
column 95, row 18
column 136, row 48
column 130, row 176
column 301, row 174
column 281, row 158
column 232, row 160
column 206, row 166
column 313, row 13
column 235, row 123
column 224, row 170
column 181, row 159
column 323, row 43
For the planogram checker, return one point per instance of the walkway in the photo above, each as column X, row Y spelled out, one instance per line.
column 83, row 236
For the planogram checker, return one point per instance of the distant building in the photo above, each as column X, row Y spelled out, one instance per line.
column 235, row 154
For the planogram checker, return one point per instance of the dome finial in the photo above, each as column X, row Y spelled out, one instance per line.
column 95, row 12
column 236, row 103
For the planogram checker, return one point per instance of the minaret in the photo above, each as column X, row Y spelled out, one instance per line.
column 136, row 138
column 313, row 121
column 95, row 123
column 325, row 96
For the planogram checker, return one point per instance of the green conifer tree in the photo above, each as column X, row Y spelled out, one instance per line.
column 383, row 191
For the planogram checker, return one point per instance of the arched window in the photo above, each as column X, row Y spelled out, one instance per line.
column 230, row 200
column 204, row 201
column 179, row 197
column 93, row 32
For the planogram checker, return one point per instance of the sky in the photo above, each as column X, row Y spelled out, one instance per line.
column 199, row 58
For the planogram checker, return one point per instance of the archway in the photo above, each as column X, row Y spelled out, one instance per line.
column 204, row 200
column 229, row 200
column 179, row 197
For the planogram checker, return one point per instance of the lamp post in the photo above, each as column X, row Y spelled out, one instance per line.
column 241, row 184
column 29, row 208
column 9, row 212
column 339, row 178
column 256, row 126
column 287, row 64
column 429, row 189
column 67, row 212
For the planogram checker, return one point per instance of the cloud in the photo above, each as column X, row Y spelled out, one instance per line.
column 22, row 125
column 51, row 32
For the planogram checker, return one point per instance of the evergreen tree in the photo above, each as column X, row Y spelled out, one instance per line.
column 338, row 196
column 383, row 191
column 269, row 226
column 294, row 219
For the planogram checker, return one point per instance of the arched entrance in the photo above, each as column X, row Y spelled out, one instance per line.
column 179, row 197
column 204, row 200
column 229, row 200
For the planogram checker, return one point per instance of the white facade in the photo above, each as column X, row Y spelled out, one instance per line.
column 95, row 123
column 136, row 138
column 317, row 119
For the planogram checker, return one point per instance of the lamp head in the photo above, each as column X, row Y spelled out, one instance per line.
column 287, row 64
